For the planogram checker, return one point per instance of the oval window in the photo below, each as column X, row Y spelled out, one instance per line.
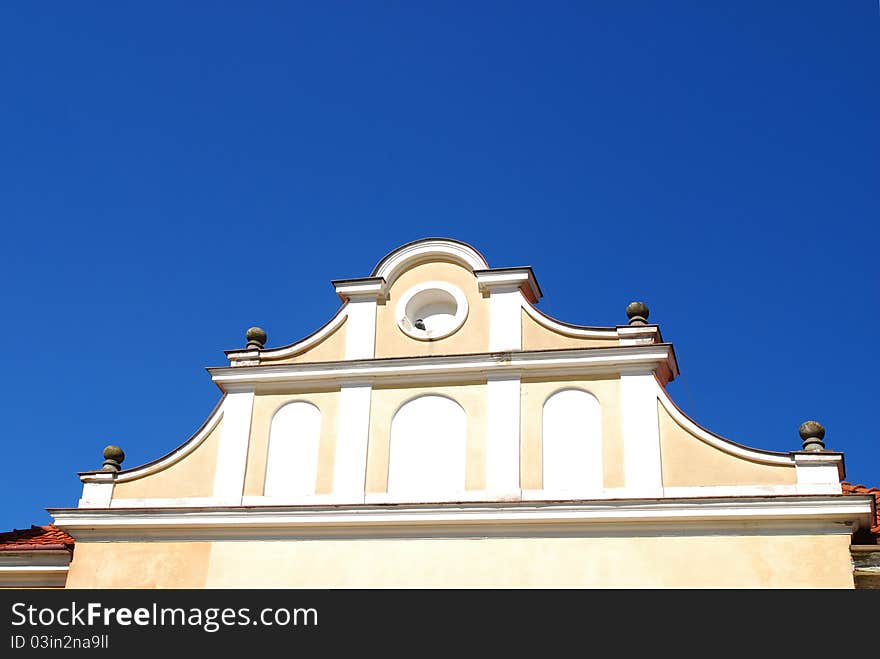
column 431, row 310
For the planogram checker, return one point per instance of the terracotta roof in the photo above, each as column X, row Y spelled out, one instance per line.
column 36, row 537
column 848, row 488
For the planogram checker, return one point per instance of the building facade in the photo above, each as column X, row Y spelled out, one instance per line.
column 441, row 431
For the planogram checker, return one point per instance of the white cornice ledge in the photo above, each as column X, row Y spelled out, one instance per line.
column 97, row 476
column 829, row 462
column 638, row 334
column 817, row 457
column 522, row 278
column 33, row 577
column 754, row 515
column 578, row 361
column 367, row 288
column 41, row 568
column 243, row 357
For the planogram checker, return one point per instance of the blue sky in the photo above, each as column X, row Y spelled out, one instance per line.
column 172, row 173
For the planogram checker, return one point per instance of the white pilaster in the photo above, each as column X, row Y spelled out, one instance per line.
column 353, row 431
column 506, row 288
column 505, row 322
column 818, row 472
column 233, row 449
column 641, row 434
column 503, row 435
column 360, row 333
column 97, row 490
column 362, row 296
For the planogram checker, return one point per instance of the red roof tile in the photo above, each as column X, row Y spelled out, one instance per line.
column 848, row 488
column 36, row 537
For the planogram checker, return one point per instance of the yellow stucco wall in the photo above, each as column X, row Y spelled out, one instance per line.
column 192, row 476
column 721, row 561
column 330, row 348
column 534, row 392
column 265, row 407
column 139, row 565
column 689, row 461
column 385, row 403
column 537, row 337
column 471, row 337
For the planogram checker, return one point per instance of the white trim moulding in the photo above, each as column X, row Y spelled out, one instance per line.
column 425, row 250
column 821, row 514
column 549, row 362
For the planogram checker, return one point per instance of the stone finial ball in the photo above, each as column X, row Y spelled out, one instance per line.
column 810, row 429
column 634, row 309
column 256, row 334
column 114, row 453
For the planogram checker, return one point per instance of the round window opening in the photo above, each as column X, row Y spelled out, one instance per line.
column 431, row 311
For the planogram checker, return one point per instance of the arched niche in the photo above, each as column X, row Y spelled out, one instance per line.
column 292, row 458
column 571, row 432
column 428, row 448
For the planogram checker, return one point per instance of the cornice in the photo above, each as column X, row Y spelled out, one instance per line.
column 634, row 334
column 522, row 278
column 611, row 360
column 34, row 568
column 366, row 288
column 750, row 515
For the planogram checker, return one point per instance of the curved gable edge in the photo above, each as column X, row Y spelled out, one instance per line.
column 165, row 461
column 426, row 249
column 244, row 356
column 567, row 329
column 815, row 472
column 717, row 441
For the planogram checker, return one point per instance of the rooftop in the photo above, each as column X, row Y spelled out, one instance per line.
column 874, row 536
column 36, row 538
